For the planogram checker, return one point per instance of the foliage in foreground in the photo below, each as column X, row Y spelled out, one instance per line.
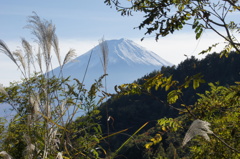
column 45, row 105
column 165, row 17
column 131, row 111
column 214, row 106
column 218, row 107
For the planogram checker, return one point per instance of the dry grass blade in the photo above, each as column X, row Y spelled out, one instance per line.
column 29, row 54
column 4, row 49
column 39, row 59
column 104, row 50
column 131, row 137
column 19, row 57
column 56, row 48
column 62, row 108
column 27, row 48
column 2, row 90
column 45, row 33
column 53, row 122
column 30, row 148
column 70, row 55
column 35, row 102
column 37, row 27
column 53, row 139
column 198, row 127
column 29, row 151
column 59, row 155
column 5, row 155
column 48, row 36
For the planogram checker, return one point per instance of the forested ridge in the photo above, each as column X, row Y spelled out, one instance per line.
column 132, row 111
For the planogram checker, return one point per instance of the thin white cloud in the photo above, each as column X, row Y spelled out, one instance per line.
column 172, row 48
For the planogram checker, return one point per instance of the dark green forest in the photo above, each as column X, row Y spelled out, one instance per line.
column 132, row 111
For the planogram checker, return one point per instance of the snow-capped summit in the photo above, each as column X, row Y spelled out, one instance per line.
column 133, row 53
column 127, row 61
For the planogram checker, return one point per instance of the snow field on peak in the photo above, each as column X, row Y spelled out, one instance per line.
column 127, row 61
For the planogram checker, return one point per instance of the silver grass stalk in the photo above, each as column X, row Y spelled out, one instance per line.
column 27, row 48
column 29, row 120
column 48, row 110
column 62, row 108
column 29, row 54
column 45, row 32
column 27, row 139
column 69, row 56
column 104, row 51
column 29, row 150
column 4, row 49
column 2, row 90
column 198, row 127
column 53, row 140
column 5, row 155
column 35, row 103
column 47, row 43
column 56, row 48
column 59, row 155
column 39, row 60
column 47, row 106
column 52, row 134
column 19, row 57
column 50, row 32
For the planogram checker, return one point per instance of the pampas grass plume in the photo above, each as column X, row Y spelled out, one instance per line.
column 5, row 155
column 198, row 127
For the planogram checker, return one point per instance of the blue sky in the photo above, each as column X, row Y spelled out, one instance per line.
column 81, row 23
column 74, row 19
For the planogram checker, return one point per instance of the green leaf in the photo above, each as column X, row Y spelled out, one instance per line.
column 198, row 35
column 173, row 96
column 209, row 49
column 173, row 124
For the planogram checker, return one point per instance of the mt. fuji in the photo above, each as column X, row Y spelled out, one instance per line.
column 127, row 61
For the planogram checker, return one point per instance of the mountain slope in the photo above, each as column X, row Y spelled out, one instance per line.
column 132, row 111
column 127, row 61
